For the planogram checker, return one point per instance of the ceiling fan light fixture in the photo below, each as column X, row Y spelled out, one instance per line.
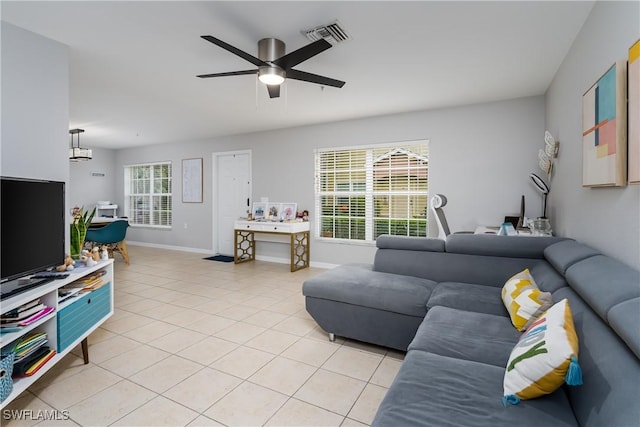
column 271, row 75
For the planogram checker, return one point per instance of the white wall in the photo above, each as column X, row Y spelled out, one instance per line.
column 605, row 218
column 481, row 156
column 35, row 107
column 86, row 189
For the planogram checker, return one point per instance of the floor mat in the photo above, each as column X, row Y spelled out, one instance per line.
column 221, row 258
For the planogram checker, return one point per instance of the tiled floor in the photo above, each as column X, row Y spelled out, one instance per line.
column 201, row 343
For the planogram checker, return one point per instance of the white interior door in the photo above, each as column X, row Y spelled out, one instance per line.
column 233, row 195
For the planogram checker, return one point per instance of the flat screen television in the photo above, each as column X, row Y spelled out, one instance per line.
column 32, row 213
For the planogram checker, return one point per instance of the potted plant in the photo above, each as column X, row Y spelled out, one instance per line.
column 81, row 221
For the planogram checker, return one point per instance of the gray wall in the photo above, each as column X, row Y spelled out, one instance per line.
column 35, row 107
column 481, row 156
column 86, row 189
column 605, row 218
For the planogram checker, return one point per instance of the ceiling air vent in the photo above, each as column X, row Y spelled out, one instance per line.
column 333, row 33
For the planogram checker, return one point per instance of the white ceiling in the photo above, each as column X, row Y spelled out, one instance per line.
column 133, row 64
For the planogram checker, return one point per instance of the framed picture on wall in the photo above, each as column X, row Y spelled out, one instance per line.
column 192, row 180
column 604, row 130
column 634, row 113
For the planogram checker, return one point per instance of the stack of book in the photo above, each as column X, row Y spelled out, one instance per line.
column 24, row 315
column 88, row 283
column 31, row 353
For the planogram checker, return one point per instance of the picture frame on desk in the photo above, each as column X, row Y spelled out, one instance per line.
column 288, row 211
column 259, row 210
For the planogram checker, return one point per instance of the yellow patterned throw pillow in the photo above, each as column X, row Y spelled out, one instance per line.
column 523, row 300
column 545, row 357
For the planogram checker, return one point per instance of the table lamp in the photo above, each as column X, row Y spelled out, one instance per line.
column 544, row 189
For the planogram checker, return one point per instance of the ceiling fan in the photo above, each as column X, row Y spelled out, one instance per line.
column 274, row 66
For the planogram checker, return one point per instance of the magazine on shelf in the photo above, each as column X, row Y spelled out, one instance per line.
column 14, row 317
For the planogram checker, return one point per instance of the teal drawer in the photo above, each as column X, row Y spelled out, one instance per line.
column 77, row 318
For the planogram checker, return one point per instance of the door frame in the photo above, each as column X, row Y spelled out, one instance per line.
column 214, row 191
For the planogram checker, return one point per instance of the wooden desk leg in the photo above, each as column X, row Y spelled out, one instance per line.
column 85, row 350
column 244, row 246
column 300, row 250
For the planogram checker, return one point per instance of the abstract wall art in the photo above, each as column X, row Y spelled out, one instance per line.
column 634, row 113
column 604, row 130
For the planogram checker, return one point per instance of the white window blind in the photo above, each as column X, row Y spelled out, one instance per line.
column 364, row 192
column 147, row 190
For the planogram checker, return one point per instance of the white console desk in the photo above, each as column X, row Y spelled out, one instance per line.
column 245, row 245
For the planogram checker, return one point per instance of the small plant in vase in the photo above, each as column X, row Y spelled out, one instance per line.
column 81, row 222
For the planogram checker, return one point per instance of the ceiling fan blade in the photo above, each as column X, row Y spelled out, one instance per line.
column 292, row 59
column 274, row 91
column 229, row 73
column 313, row 78
column 242, row 54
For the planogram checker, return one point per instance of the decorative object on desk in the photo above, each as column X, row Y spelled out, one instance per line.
column 192, row 180
column 95, row 253
column 68, row 264
column 542, row 188
column 75, row 152
column 604, row 130
column 81, row 221
column 288, row 211
column 258, row 211
column 104, row 253
column 87, row 259
column 541, row 227
column 274, row 211
column 634, row 113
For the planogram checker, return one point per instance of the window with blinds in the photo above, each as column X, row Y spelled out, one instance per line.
column 364, row 192
column 147, row 191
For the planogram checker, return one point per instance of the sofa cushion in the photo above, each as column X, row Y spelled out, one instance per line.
column 603, row 282
column 523, row 300
column 435, row 390
column 624, row 318
column 547, row 278
column 611, row 371
column 358, row 284
column 466, row 335
column 545, row 357
column 387, row 241
column 563, row 255
column 469, row 297
column 492, row 245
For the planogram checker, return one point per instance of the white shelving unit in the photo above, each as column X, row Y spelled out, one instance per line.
column 48, row 295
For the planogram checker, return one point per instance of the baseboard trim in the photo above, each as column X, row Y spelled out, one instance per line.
column 276, row 260
column 170, row 247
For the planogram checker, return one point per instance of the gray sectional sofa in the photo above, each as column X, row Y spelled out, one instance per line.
column 441, row 302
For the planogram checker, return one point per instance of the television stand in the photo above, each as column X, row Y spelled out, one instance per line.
column 69, row 325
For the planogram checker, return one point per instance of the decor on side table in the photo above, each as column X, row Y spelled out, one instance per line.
column 634, row 113
column 604, row 130
column 81, row 222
